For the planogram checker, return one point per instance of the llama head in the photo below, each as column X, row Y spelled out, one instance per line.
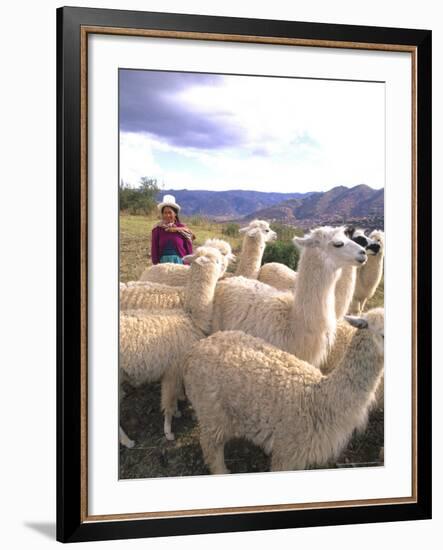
column 334, row 245
column 259, row 231
column 359, row 236
column 378, row 237
column 374, row 322
column 207, row 259
column 224, row 248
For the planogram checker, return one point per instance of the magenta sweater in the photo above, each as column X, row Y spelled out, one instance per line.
column 162, row 239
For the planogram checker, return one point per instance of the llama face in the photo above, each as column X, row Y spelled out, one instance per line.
column 371, row 246
column 345, row 251
column 259, row 230
column 359, row 236
column 378, row 237
column 224, row 248
column 207, row 258
column 336, row 246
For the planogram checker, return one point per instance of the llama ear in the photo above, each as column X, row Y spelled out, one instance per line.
column 349, row 231
column 243, row 229
column 357, row 322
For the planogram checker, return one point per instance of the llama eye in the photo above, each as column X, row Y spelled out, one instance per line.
column 267, row 230
column 338, row 245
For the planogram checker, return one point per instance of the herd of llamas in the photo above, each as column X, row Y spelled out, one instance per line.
column 289, row 360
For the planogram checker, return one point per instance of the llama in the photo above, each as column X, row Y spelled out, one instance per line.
column 152, row 344
column 256, row 234
column 369, row 276
column 150, row 295
column 302, row 323
column 177, row 274
column 283, row 278
column 345, row 287
column 241, row 386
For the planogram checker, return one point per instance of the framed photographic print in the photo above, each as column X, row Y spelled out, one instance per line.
column 239, row 203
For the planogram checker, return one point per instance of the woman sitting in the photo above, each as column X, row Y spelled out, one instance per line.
column 171, row 239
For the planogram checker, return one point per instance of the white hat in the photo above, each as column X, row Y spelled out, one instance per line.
column 168, row 200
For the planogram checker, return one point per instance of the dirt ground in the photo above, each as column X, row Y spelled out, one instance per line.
column 154, row 456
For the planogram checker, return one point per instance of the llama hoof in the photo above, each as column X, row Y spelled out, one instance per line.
column 128, row 443
column 221, row 471
column 170, row 436
column 177, row 414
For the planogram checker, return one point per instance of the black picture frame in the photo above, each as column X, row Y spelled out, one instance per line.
column 72, row 525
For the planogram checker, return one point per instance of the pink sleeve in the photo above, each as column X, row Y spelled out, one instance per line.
column 155, row 246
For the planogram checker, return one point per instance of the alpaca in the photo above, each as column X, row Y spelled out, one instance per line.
column 256, row 234
column 152, row 344
column 283, row 278
column 302, row 323
column 151, row 295
column 241, row 386
column 177, row 274
column 345, row 287
column 369, row 276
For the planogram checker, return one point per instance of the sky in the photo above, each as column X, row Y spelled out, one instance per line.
column 220, row 132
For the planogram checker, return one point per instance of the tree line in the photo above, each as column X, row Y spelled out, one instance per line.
column 139, row 200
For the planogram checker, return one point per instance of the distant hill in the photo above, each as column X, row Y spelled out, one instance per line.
column 341, row 204
column 226, row 205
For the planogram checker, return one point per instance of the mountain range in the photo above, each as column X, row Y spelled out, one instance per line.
column 359, row 204
column 225, row 205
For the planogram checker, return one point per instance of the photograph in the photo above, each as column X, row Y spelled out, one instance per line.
column 251, row 273
column 239, row 200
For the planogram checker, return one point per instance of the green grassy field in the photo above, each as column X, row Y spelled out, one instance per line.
column 140, row 413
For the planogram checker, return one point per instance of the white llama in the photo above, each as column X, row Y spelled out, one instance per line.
column 153, row 344
column 302, row 323
column 241, row 386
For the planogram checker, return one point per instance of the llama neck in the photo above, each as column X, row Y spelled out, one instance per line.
column 344, row 290
column 350, row 388
column 199, row 295
column 250, row 258
column 312, row 317
column 372, row 270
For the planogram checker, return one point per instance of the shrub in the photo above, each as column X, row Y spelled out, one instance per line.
column 283, row 252
column 231, row 229
column 139, row 200
column 286, row 232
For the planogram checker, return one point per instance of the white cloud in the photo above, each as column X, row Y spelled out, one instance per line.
column 299, row 135
column 137, row 158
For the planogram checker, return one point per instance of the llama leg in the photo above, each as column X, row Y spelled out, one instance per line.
column 169, row 401
column 362, row 305
column 213, row 453
column 124, row 439
column 280, row 462
column 181, row 392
